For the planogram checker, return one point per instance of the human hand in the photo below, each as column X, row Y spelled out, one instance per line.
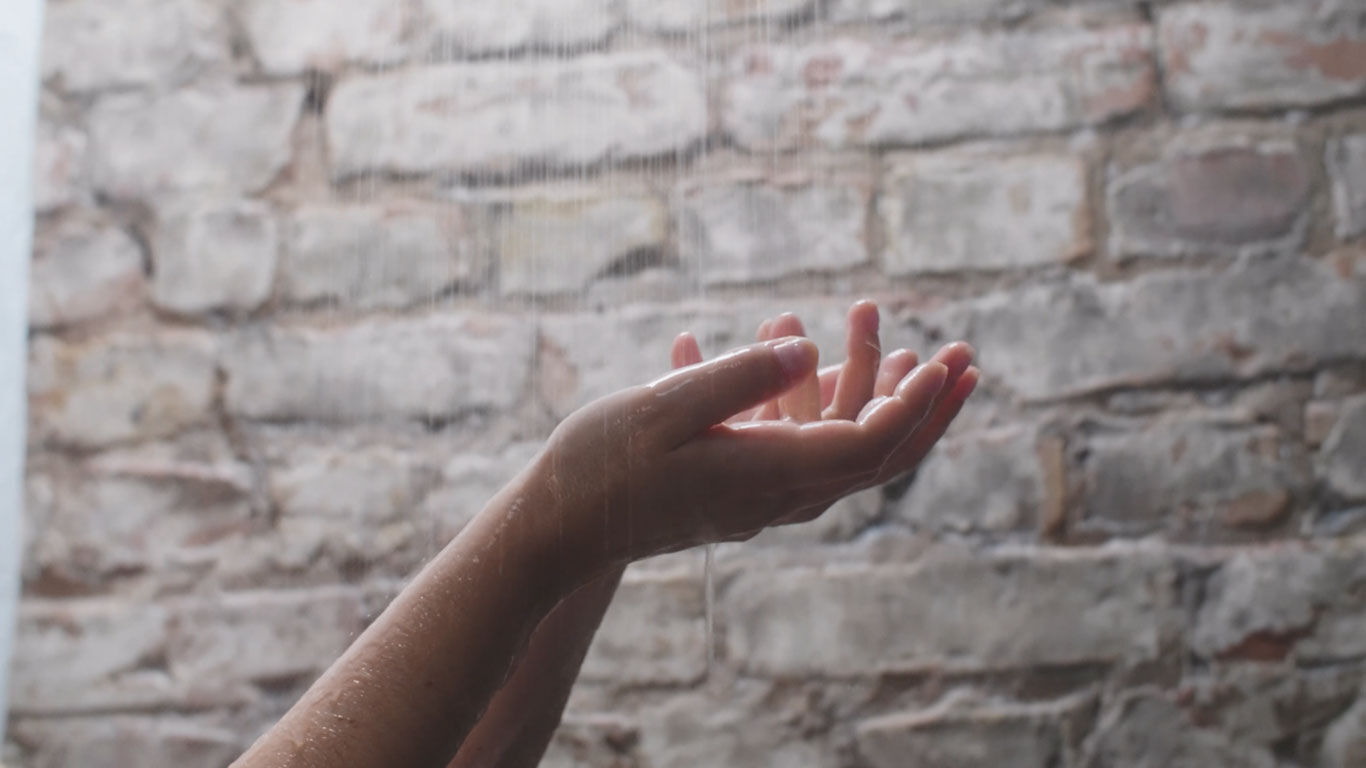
column 656, row 468
column 842, row 391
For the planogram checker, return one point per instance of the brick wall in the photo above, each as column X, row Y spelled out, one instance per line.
column 312, row 279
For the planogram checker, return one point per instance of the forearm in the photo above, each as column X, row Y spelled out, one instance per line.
column 413, row 686
column 519, row 723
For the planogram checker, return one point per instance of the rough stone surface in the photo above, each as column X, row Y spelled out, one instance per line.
column 472, row 26
column 1107, row 607
column 1188, row 476
column 292, row 36
column 93, row 45
column 1343, row 449
column 1126, row 739
column 1298, row 603
column 931, row 11
column 378, row 256
column 119, row 388
column 417, row 368
column 214, row 256
column 1203, row 198
column 848, row 93
column 654, row 633
column 969, row 210
column 214, row 137
column 1075, row 336
column 1344, row 744
column 362, row 485
column 59, row 160
column 493, row 117
column 559, row 242
column 146, row 741
column 957, row 735
column 990, row 481
column 82, row 270
column 683, row 16
column 1231, row 56
column 1347, row 167
column 753, row 232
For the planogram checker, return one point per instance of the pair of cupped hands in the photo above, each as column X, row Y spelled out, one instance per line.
column 720, row 450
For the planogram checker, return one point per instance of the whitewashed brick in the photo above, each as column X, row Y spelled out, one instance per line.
column 1201, row 197
column 1347, row 169
column 294, row 36
column 748, row 231
column 497, row 117
column 990, row 481
column 215, row 137
column 414, row 368
column 683, row 16
column 1344, row 452
column 1232, row 56
column 117, row 388
column 214, row 256
column 969, row 210
column 844, row 92
column 147, row 741
column 83, row 270
column 379, row 256
column 59, row 162
column 366, row 485
column 475, row 26
column 559, row 242
column 103, row 44
column 971, row 613
column 1065, row 338
column 931, row 11
column 1146, row 728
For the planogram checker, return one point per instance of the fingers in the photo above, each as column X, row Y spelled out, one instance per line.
column 803, row 402
column 686, row 351
column 932, row 430
column 895, row 368
column 855, row 386
column 694, row 399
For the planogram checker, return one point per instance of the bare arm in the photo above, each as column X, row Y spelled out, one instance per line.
column 519, row 724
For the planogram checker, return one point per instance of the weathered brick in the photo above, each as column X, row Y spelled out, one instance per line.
column 990, row 481
column 215, row 137
column 1006, row 611
column 849, row 93
column 293, row 36
column 931, row 11
column 413, row 368
column 1225, row 195
column 1347, row 169
column 468, row 482
column 1145, row 729
column 1263, row 704
column 497, row 117
column 1344, row 743
column 963, row 210
column 1188, row 476
column 263, row 636
column 683, row 16
column 367, row 484
column 1344, row 452
column 654, row 633
column 83, row 269
column 845, row 519
column 593, row 742
column 102, row 44
column 116, row 388
column 559, row 241
column 84, row 655
column 1229, row 56
column 147, row 741
column 472, row 26
column 1073, row 336
column 214, row 256
column 59, row 160
column 157, row 511
column 379, row 256
column 964, row 735
column 740, row 230
column 1301, row 603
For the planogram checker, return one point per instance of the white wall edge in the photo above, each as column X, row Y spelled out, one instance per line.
column 20, row 35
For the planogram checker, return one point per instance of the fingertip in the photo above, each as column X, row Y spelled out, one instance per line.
column 796, row 355
column 866, row 315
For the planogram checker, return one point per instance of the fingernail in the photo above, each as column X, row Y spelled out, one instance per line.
column 796, row 356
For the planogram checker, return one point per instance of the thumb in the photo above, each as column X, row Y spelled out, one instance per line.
column 695, row 399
